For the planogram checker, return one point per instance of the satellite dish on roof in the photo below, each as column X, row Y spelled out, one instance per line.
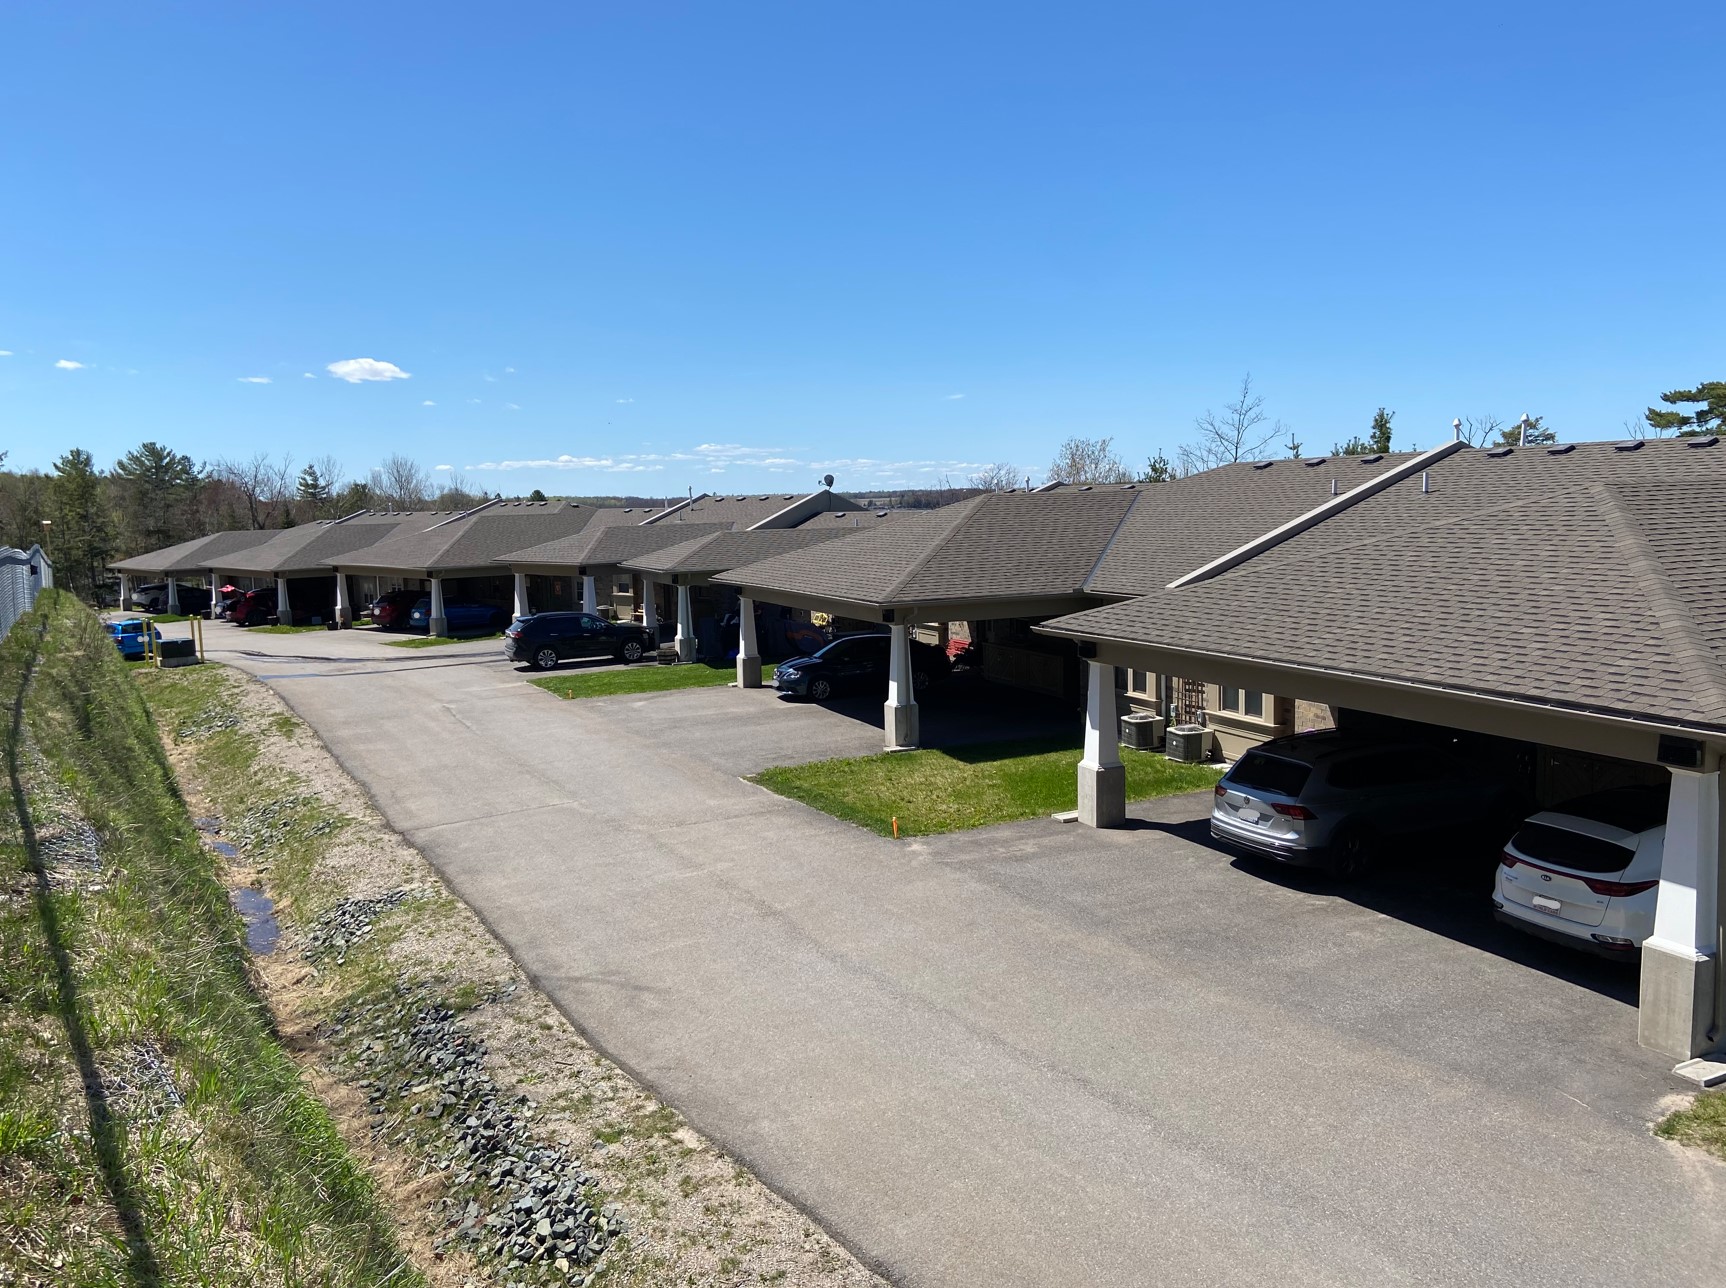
column 826, row 480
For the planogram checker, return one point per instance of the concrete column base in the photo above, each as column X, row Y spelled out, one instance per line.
column 1677, row 1003
column 749, row 673
column 439, row 626
column 685, row 648
column 1102, row 795
column 902, row 726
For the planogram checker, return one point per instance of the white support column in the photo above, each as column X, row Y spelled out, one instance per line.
column 685, row 626
column 589, row 595
column 125, row 592
column 521, row 608
column 1677, row 1014
column 438, row 625
column 899, row 712
column 650, row 607
column 344, row 605
column 284, row 609
column 215, row 598
column 1102, row 777
column 173, row 596
column 748, row 653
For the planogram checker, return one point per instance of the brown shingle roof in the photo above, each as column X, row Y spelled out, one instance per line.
column 193, row 556
column 473, row 539
column 305, row 548
column 745, row 511
column 1587, row 579
column 722, row 551
column 999, row 545
column 599, row 544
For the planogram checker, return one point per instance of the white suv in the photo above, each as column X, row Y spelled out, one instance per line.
column 1586, row 873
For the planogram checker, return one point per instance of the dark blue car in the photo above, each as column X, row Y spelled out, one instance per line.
column 130, row 634
column 459, row 616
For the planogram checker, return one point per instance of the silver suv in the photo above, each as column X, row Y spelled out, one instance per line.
column 1332, row 798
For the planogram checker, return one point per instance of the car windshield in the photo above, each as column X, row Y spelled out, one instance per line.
column 854, row 646
column 1545, row 843
column 1270, row 774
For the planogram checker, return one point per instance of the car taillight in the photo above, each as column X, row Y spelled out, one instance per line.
column 1508, row 860
column 1294, row 811
column 1221, row 790
column 1617, row 889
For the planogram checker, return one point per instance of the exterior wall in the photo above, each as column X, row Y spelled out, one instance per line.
column 1236, row 733
column 1313, row 715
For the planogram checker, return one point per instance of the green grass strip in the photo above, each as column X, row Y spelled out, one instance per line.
column 1702, row 1125
column 638, row 679
column 952, row 790
column 434, row 641
column 277, row 628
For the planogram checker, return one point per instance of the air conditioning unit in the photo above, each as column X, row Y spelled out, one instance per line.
column 1142, row 731
column 1190, row 742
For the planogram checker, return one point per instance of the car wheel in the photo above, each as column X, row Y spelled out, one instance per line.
column 545, row 659
column 1351, row 854
column 920, row 682
column 820, row 690
column 631, row 651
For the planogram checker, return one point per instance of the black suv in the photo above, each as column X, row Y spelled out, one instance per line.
column 545, row 639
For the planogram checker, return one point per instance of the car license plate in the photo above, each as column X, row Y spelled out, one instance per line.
column 1248, row 815
column 1547, row 905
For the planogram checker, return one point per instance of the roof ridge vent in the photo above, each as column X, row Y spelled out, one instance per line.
column 1317, row 460
column 1374, row 459
column 1563, row 449
column 1263, row 465
column 1499, row 453
column 1634, row 445
column 1702, row 442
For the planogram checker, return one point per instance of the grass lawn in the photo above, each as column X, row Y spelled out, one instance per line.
column 1702, row 1125
column 638, row 679
column 433, row 641
column 950, row 791
column 165, row 618
column 278, row 629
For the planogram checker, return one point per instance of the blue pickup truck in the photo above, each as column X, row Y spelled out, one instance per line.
column 130, row 635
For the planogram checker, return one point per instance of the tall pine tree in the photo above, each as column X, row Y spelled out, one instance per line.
column 155, row 492
column 1709, row 399
column 83, row 537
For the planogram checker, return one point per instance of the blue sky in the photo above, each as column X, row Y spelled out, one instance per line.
column 737, row 246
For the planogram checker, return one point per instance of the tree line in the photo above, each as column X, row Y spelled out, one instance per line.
column 1244, row 431
column 154, row 496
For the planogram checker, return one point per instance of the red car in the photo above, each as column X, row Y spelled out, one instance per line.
column 256, row 609
column 392, row 609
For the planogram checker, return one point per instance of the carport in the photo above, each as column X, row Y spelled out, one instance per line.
column 690, row 565
column 185, row 562
column 999, row 556
column 296, row 559
column 598, row 552
column 1565, row 596
column 457, row 551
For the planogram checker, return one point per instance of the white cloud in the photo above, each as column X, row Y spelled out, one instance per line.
column 717, row 458
column 308, row 375
column 253, row 380
column 356, row 370
column 490, row 379
column 509, row 371
column 952, row 397
column 66, row 364
column 428, row 403
column 512, row 406
column 443, row 467
column 473, row 400
column 625, row 400
column 5, row 353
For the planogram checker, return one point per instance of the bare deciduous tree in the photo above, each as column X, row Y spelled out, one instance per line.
column 1088, row 460
column 402, row 482
column 1481, row 431
column 1000, row 477
column 1232, row 436
column 263, row 486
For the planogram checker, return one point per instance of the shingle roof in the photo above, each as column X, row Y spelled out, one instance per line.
column 994, row 546
column 724, row 550
column 193, row 556
column 853, row 518
column 1587, row 579
column 304, row 549
column 473, row 539
column 747, row 511
column 599, row 544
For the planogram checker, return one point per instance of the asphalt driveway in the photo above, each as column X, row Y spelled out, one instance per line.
column 1034, row 1054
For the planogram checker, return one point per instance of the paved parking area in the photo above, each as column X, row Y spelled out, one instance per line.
column 1033, row 1054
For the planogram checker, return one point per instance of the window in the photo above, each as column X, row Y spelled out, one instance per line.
column 1139, row 684
column 1245, row 702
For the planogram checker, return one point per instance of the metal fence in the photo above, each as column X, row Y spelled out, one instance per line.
column 23, row 574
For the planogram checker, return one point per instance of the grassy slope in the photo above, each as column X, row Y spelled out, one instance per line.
column 244, row 1181
column 949, row 791
column 638, row 679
